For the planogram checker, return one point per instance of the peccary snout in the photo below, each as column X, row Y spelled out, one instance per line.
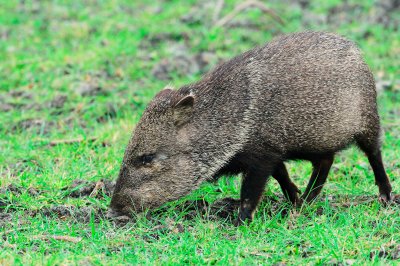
column 125, row 200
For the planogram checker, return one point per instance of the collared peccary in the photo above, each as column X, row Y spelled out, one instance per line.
column 301, row 96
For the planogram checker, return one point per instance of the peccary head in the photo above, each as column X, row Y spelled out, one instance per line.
column 158, row 165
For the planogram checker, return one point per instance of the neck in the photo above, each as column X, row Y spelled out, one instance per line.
column 220, row 125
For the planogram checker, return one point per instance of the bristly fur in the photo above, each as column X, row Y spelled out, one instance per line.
column 301, row 96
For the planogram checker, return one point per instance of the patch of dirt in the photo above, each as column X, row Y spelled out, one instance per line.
column 33, row 7
column 121, row 220
column 33, row 191
column 15, row 191
column 3, row 204
column 6, row 107
column 16, row 169
column 279, row 264
column 60, row 211
column 201, row 13
column 20, row 94
column 5, row 218
column 396, row 200
column 81, row 214
column 73, row 121
column 395, row 253
column 4, row 33
column 335, row 262
column 193, row 208
column 153, row 40
column 386, row 85
column 110, row 113
column 205, row 59
column 220, row 209
column 82, row 188
column 85, row 89
column 227, row 208
column 211, row 13
column 170, row 226
column 183, row 63
column 7, row 206
column 58, row 101
column 345, row 13
column 40, row 126
column 382, row 12
column 390, row 251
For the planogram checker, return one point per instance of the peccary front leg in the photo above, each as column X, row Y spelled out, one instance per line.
column 318, row 177
column 289, row 189
column 253, row 185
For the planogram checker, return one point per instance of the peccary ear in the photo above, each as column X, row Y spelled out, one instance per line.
column 183, row 110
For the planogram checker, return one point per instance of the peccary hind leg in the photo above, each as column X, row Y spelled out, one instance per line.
column 320, row 172
column 253, row 185
column 375, row 159
column 289, row 189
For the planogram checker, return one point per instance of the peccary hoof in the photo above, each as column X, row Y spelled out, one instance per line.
column 238, row 222
column 385, row 198
column 244, row 217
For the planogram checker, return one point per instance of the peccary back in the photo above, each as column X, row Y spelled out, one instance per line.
column 313, row 93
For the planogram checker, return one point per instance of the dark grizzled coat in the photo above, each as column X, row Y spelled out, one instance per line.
column 301, row 96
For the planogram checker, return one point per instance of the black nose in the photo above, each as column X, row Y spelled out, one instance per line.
column 116, row 208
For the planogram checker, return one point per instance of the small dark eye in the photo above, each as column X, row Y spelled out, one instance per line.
column 148, row 158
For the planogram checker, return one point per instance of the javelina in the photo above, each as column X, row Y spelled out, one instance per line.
column 301, row 96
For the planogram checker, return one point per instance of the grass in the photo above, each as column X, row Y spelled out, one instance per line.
column 53, row 48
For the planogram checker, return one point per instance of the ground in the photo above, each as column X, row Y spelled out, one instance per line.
column 75, row 77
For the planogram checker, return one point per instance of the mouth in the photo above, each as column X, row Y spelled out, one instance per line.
column 117, row 209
